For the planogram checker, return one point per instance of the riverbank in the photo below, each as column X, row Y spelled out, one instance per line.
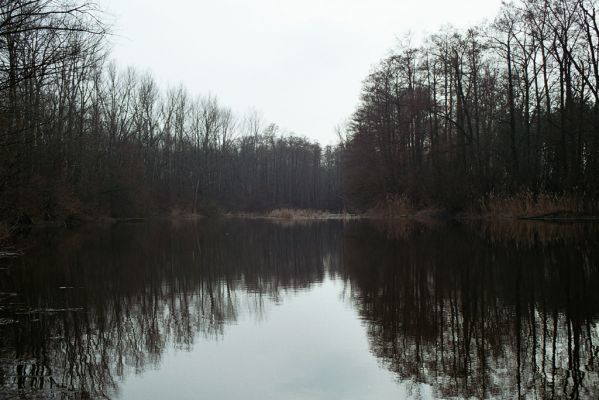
column 296, row 215
column 430, row 213
column 14, row 240
column 395, row 210
column 520, row 206
column 437, row 214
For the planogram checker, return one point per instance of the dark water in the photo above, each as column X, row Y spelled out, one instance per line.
column 253, row 309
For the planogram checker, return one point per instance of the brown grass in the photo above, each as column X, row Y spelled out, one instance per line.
column 288, row 213
column 291, row 214
column 527, row 204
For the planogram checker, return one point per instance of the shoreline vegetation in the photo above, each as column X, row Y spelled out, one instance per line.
column 498, row 121
column 393, row 215
column 523, row 207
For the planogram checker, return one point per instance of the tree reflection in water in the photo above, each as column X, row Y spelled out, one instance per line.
column 95, row 305
column 499, row 311
column 478, row 311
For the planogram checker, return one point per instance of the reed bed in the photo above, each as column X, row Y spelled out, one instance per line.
column 528, row 204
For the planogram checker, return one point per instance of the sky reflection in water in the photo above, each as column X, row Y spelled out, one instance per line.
column 253, row 309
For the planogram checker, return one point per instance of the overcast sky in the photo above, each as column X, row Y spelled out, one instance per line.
column 299, row 62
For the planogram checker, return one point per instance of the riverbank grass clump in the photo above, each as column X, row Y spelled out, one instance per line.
column 292, row 213
column 522, row 205
column 527, row 204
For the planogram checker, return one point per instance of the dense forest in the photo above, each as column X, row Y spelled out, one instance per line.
column 80, row 136
column 508, row 107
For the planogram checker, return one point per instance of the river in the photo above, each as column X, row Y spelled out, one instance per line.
column 257, row 309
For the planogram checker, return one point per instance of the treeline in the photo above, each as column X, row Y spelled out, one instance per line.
column 80, row 136
column 508, row 106
column 504, row 108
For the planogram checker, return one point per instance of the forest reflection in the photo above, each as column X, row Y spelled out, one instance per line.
column 474, row 311
column 81, row 310
column 494, row 311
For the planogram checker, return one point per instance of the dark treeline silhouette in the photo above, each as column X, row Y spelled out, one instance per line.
column 509, row 106
column 78, row 135
column 483, row 313
column 83, row 309
column 501, row 109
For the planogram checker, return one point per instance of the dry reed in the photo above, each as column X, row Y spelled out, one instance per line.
column 289, row 213
column 528, row 204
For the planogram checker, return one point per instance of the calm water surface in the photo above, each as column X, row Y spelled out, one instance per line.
column 260, row 310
